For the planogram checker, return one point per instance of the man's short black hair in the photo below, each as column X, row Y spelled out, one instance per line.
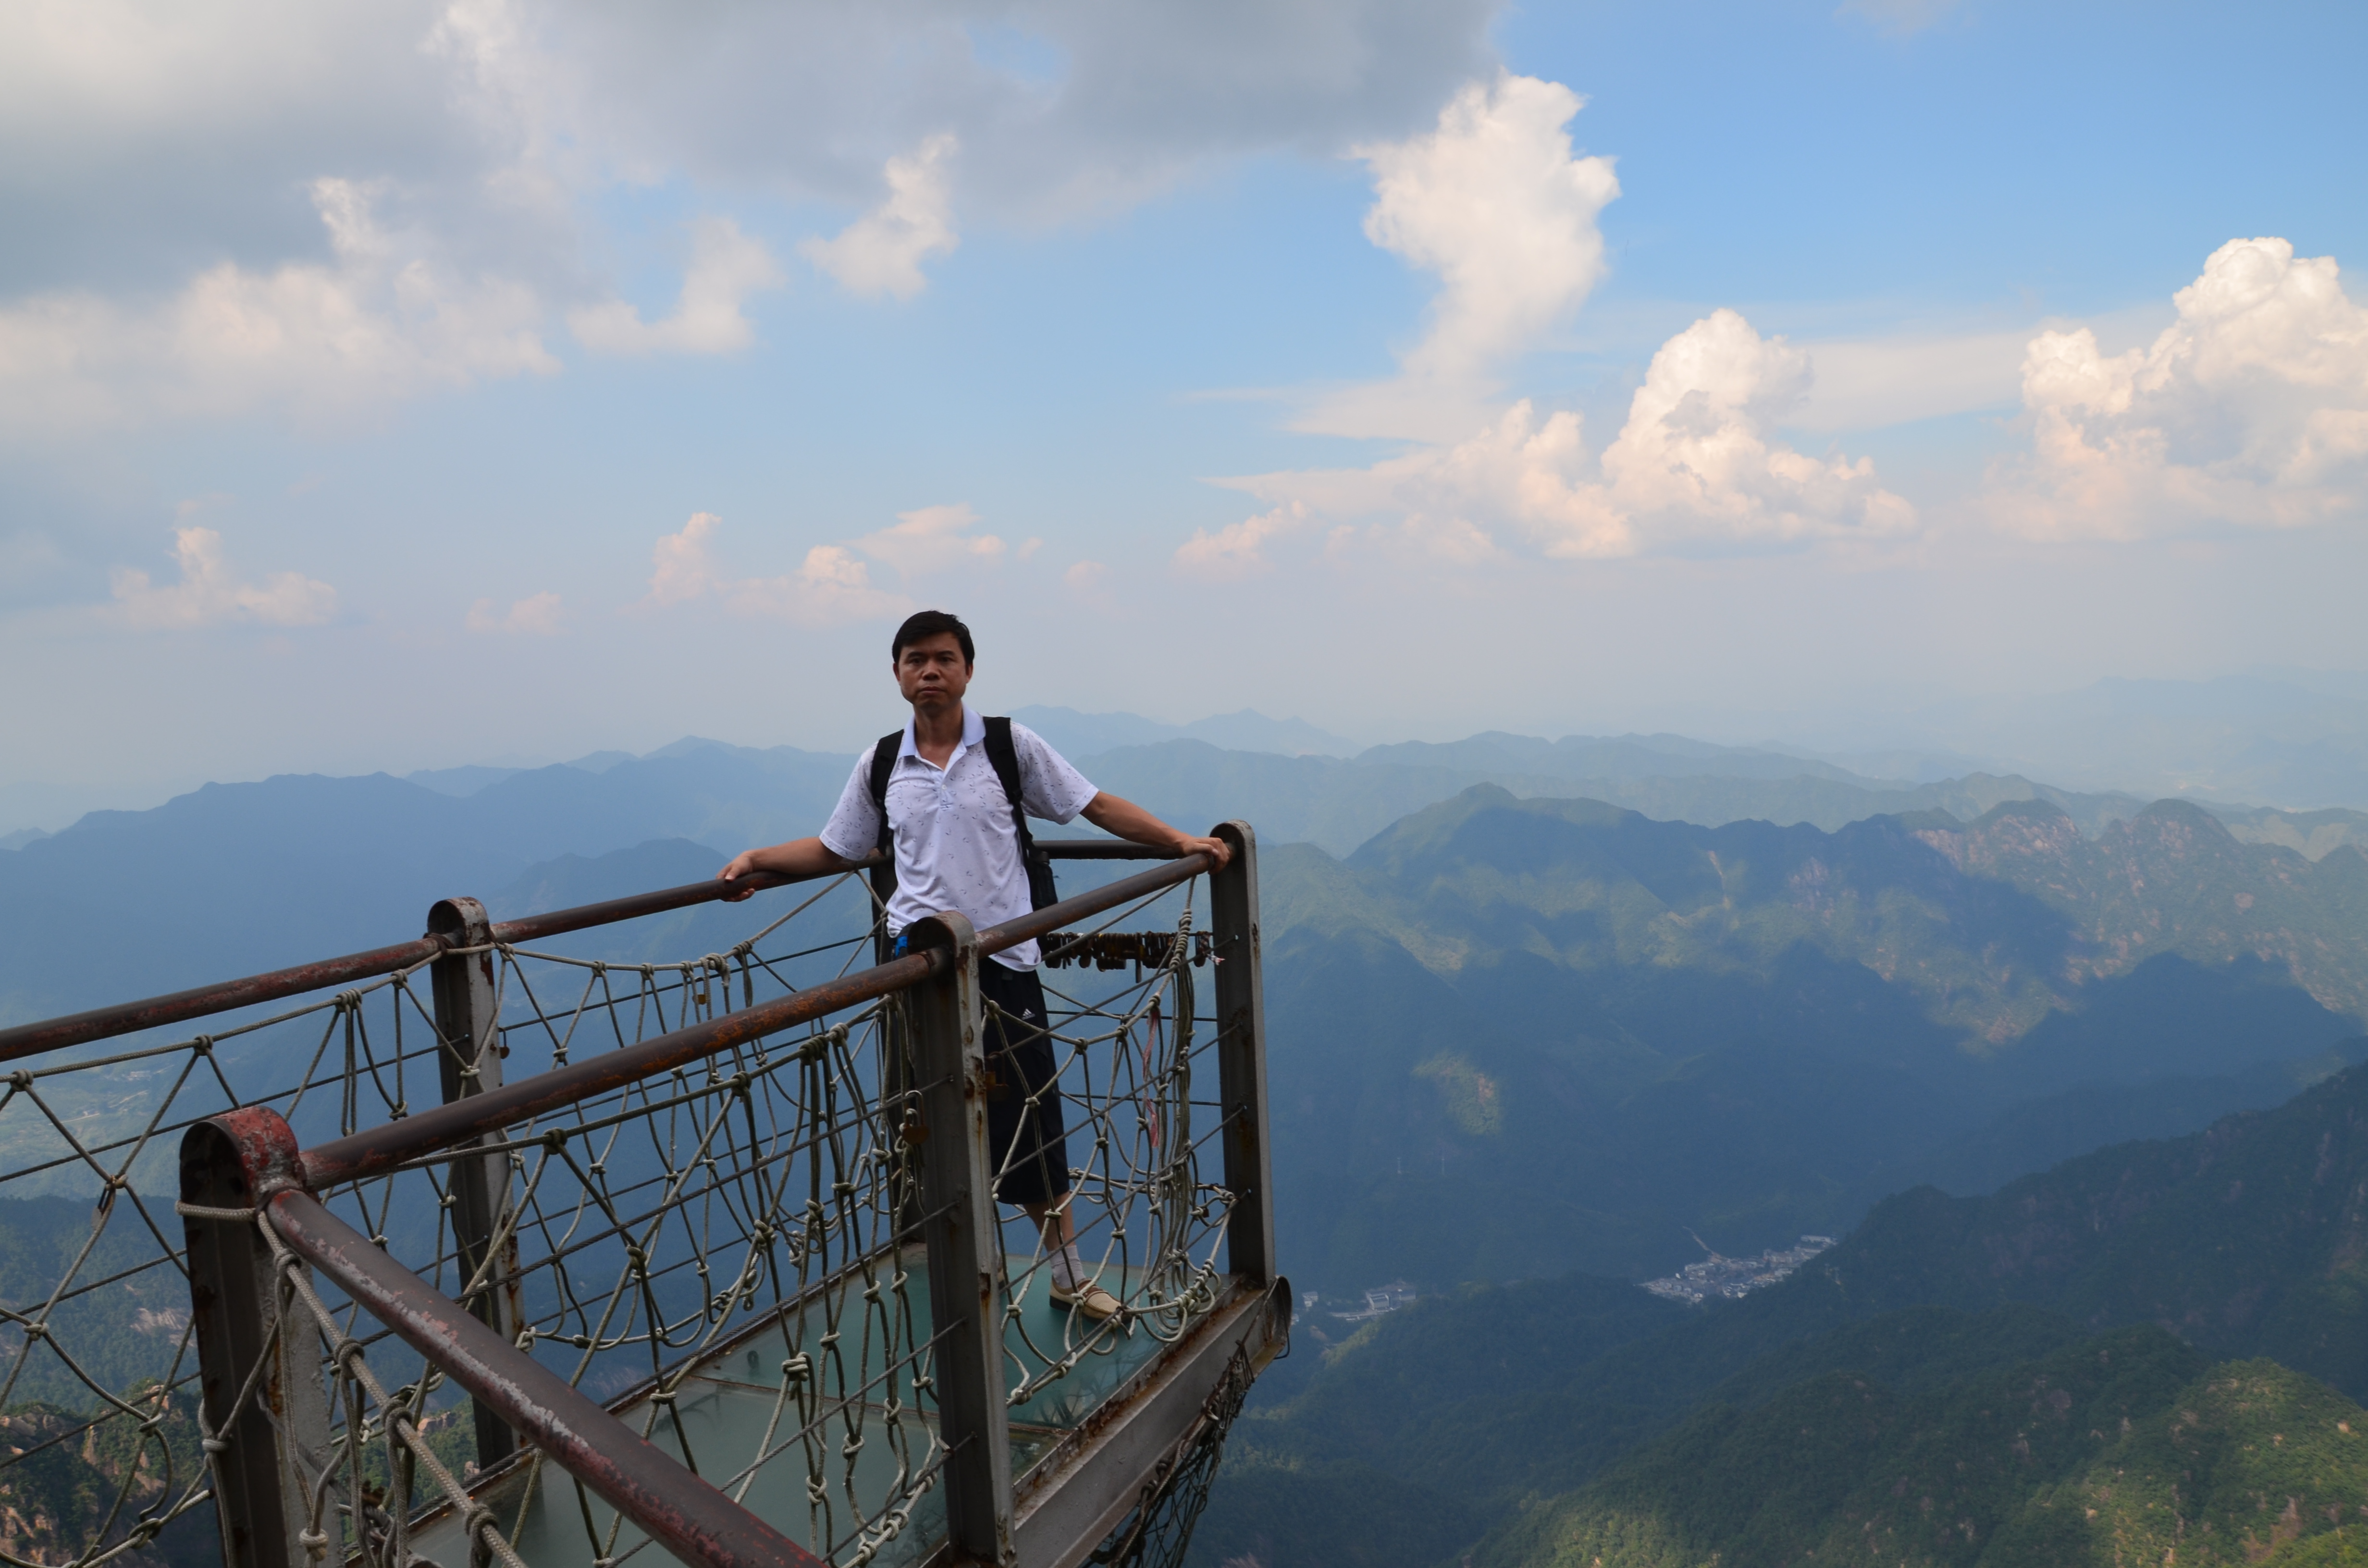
column 931, row 623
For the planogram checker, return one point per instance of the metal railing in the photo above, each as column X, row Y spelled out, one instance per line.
column 510, row 1250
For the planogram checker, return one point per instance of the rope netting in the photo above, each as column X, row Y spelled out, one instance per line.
column 1148, row 1228
column 725, row 1254
column 1157, row 1531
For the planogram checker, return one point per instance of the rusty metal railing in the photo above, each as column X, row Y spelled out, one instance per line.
column 744, row 1188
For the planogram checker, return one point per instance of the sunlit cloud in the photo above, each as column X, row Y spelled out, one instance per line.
column 1696, row 469
column 208, row 595
column 726, row 266
column 380, row 323
column 932, row 538
column 2250, row 409
column 882, row 251
column 832, row 586
column 537, row 615
column 1496, row 203
column 1239, row 550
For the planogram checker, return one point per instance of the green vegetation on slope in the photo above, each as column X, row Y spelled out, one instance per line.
column 2250, row 1238
column 1516, row 1037
column 2121, row 1449
column 68, row 1482
column 2244, row 1241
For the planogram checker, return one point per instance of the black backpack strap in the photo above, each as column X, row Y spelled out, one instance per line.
column 1006, row 758
column 883, row 763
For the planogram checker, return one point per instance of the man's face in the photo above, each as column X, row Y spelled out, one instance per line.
column 932, row 672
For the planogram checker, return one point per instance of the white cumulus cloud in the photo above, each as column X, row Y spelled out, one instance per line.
column 1695, row 470
column 1495, row 201
column 882, row 251
column 1239, row 550
column 208, row 595
column 1695, row 461
column 380, row 323
column 682, row 567
column 830, row 588
column 932, row 538
column 536, row 615
column 726, row 266
column 2251, row 408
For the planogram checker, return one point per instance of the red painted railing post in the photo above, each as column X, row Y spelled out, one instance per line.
column 265, row 1449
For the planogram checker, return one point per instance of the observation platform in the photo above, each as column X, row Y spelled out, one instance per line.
column 742, row 1400
column 553, row 1243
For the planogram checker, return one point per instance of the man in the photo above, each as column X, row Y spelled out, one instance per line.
column 957, row 847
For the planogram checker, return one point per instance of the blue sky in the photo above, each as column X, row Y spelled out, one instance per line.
column 1300, row 356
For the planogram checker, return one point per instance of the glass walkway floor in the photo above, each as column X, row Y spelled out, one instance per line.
column 729, row 1408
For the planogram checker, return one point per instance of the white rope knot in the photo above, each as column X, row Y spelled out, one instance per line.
column 227, row 1216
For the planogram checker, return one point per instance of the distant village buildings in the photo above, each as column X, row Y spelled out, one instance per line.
column 1380, row 1299
column 1732, row 1277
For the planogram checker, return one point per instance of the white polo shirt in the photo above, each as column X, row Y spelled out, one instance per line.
column 956, row 845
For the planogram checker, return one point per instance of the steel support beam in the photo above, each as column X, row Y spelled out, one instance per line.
column 1082, row 1490
column 965, row 1277
column 1241, row 1059
column 468, row 1020
column 277, row 1439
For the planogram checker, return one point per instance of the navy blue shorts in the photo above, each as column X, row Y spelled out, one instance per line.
column 1028, row 1145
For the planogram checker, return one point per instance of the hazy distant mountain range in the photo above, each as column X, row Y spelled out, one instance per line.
column 1518, row 1029
column 250, row 875
column 2295, row 739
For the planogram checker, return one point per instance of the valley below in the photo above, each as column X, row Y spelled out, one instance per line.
column 2077, row 1080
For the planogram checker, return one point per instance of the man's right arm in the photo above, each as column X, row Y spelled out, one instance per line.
column 798, row 858
column 855, row 821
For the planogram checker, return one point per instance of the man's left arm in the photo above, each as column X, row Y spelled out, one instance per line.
column 1051, row 788
column 1125, row 818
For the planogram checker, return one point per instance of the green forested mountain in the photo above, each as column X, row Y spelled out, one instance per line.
column 1518, row 1036
column 1981, row 1351
column 2124, row 1449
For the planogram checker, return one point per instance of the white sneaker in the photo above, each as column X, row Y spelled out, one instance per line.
column 1092, row 1301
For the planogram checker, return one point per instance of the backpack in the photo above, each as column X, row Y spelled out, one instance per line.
column 1004, row 757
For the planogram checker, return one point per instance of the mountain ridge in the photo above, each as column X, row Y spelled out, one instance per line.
column 1570, row 1423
